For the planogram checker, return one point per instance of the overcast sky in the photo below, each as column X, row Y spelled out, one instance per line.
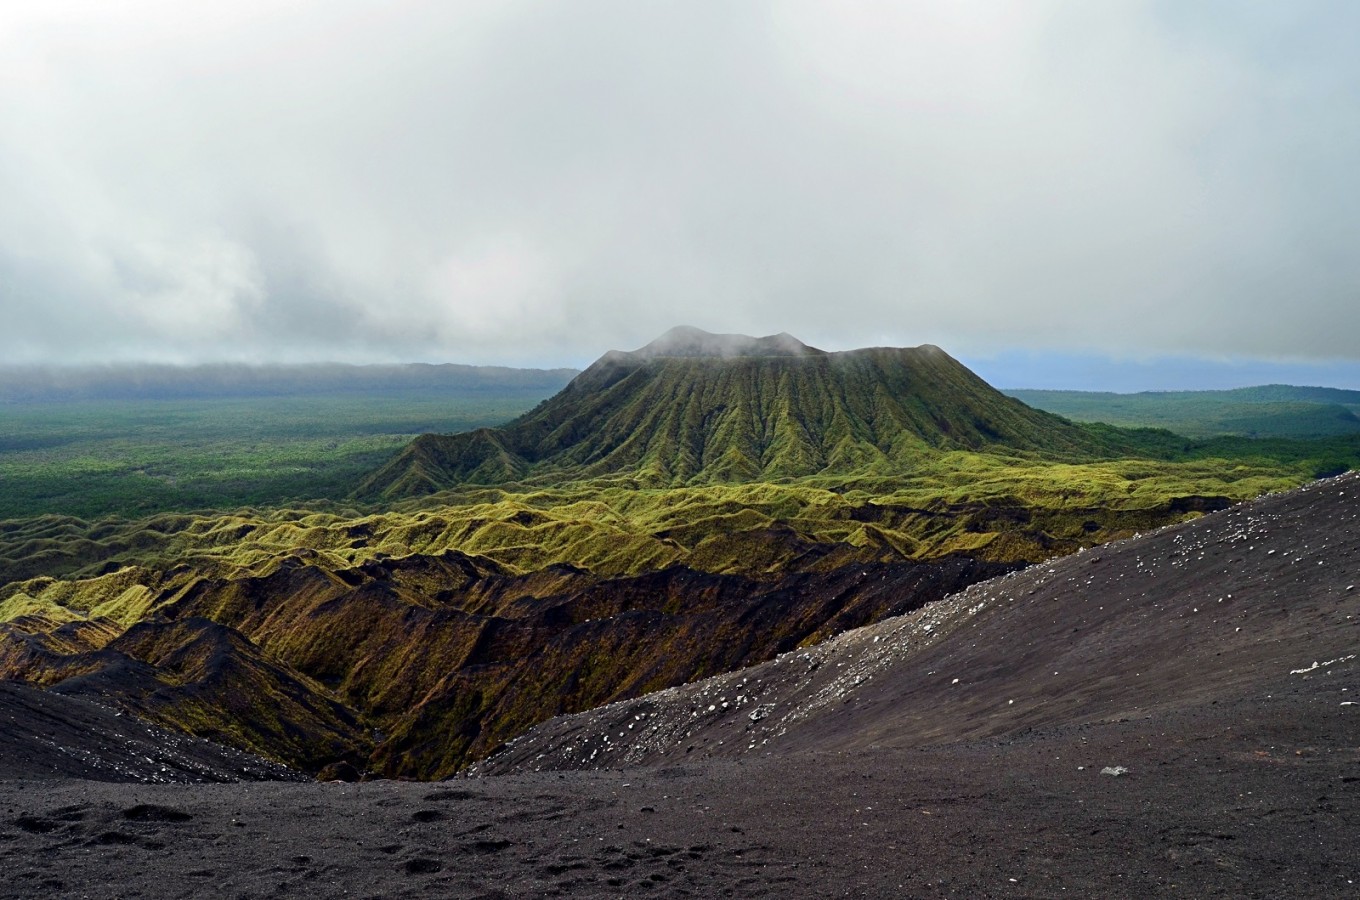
column 533, row 183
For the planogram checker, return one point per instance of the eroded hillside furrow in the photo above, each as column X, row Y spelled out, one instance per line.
column 415, row 667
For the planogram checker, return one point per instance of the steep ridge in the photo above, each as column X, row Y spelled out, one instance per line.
column 1254, row 608
column 692, row 407
column 416, row 666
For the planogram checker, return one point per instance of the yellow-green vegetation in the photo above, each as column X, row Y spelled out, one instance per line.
column 451, row 622
column 1005, row 509
column 123, row 597
column 20, row 604
column 667, row 421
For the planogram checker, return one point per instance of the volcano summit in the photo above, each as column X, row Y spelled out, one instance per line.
column 697, row 408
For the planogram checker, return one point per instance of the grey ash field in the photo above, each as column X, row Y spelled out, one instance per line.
column 957, row 751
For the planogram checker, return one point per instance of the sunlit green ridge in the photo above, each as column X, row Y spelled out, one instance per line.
column 694, row 408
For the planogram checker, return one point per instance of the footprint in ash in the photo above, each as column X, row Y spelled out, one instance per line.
column 446, row 794
column 153, row 812
column 422, row 865
column 36, row 824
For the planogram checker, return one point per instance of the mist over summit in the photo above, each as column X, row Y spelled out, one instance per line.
column 687, row 341
column 693, row 407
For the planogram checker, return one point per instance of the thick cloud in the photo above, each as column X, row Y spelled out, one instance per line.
column 535, row 182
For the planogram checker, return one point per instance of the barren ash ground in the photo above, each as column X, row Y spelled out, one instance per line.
column 1177, row 714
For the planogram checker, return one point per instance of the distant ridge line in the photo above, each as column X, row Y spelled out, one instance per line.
column 30, row 384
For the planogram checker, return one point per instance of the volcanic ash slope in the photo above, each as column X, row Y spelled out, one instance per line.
column 1254, row 608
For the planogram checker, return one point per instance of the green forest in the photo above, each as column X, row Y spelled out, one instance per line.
column 132, row 457
column 1275, row 410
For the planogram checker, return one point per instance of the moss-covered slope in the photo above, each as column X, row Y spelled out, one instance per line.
column 416, row 666
column 697, row 408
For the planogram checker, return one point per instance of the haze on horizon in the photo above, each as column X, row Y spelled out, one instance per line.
column 1081, row 195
